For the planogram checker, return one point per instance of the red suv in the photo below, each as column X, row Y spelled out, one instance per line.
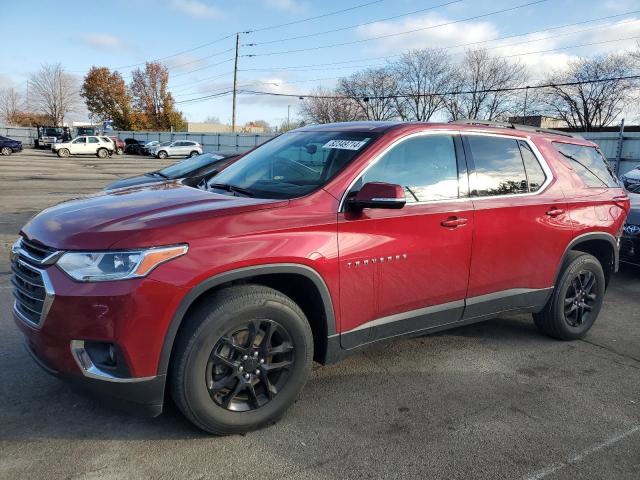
column 314, row 245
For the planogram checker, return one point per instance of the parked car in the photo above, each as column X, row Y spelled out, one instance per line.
column 119, row 145
column 178, row 148
column 133, row 146
column 46, row 136
column 9, row 146
column 148, row 146
column 101, row 147
column 223, row 296
column 630, row 242
column 195, row 169
column 631, row 179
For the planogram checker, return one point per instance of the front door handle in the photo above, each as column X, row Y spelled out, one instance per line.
column 554, row 212
column 453, row 222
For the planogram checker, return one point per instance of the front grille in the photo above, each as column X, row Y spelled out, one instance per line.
column 29, row 291
column 35, row 251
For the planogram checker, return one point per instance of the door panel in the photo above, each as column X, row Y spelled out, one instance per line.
column 522, row 224
column 404, row 270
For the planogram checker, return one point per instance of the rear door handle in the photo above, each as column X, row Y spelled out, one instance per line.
column 453, row 222
column 554, row 212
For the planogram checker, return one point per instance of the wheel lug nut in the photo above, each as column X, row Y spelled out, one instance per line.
column 244, row 357
column 240, row 368
column 255, row 354
column 257, row 372
column 246, row 375
column 262, row 360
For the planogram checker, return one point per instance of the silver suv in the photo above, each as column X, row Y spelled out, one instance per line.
column 179, row 148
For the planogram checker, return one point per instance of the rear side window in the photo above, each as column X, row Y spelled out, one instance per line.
column 499, row 169
column 535, row 174
column 425, row 167
column 93, row 140
column 589, row 164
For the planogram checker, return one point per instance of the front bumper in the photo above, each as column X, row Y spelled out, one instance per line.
column 630, row 249
column 132, row 316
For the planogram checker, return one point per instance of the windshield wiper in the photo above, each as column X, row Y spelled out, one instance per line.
column 232, row 189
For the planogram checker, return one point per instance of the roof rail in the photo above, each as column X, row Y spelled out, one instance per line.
column 516, row 126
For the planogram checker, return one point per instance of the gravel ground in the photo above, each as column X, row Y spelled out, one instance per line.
column 492, row 400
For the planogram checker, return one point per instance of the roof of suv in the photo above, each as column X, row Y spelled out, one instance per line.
column 469, row 125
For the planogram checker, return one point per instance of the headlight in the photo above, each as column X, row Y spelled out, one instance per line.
column 104, row 266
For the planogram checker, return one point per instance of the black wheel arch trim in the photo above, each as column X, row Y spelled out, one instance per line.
column 240, row 274
column 592, row 236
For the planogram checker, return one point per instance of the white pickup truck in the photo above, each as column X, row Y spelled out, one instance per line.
column 100, row 146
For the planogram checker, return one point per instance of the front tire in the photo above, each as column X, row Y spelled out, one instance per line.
column 576, row 300
column 63, row 153
column 6, row 151
column 162, row 154
column 242, row 359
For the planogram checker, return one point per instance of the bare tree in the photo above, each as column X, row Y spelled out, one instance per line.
column 327, row 106
column 54, row 92
column 482, row 80
column 374, row 91
column 589, row 105
column 10, row 106
column 423, row 76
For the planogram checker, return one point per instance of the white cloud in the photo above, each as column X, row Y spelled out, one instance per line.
column 197, row 9
column 185, row 62
column 104, row 41
column 286, row 5
column 430, row 36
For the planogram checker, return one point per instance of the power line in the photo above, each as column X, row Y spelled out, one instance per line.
column 353, row 42
column 455, row 92
column 353, row 26
column 308, row 19
column 303, row 68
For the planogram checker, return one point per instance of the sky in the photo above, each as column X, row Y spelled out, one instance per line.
column 287, row 50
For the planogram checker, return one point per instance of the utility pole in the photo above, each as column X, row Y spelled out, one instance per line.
column 288, row 117
column 235, row 84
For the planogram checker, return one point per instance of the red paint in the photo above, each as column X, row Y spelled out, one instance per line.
column 432, row 253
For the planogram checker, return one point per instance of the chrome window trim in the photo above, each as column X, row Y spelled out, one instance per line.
column 539, row 157
column 90, row 370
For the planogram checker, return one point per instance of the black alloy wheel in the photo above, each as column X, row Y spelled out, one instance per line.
column 580, row 299
column 250, row 365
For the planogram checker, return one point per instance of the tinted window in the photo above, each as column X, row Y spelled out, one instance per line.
column 535, row 174
column 80, row 140
column 424, row 166
column 590, row 166
column 295, row 163
column 498, row 166
column 93, row 140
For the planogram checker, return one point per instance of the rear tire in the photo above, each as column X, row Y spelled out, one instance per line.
column 162, row 154
column 577, row 298
column 63, row 153
column 6, row 151
column 119, row 151
column 102, row 153
column 227, row 383
column 193, row 154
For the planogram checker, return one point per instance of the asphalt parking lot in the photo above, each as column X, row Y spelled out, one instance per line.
column 492, row 400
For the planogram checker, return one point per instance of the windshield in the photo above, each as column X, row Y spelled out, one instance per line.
column 53, row 131
column 184, row 168
column 294, row 164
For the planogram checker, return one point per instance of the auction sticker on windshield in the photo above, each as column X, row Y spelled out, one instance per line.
column 346, row 144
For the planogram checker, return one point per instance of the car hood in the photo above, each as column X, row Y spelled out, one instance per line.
column 633, row 174
column 101, row 220
column 134, row 181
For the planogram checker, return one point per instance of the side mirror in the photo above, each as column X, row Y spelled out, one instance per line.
column 378, row 195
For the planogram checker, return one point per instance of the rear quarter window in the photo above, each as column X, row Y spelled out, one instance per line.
column 589, row 164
